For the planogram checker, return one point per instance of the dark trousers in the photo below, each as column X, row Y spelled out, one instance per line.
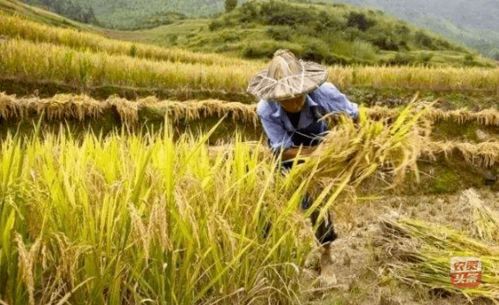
column 324, row 233
column 311, row 136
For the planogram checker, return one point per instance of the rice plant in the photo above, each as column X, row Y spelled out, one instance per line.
column 30, row 61
column 18, row 27
column 79, row 107
column 128, row 219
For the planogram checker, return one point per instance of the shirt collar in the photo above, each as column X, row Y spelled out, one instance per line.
column 280, row 113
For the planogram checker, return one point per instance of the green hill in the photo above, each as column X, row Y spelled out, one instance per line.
column 349, row 35
column 40, row 15
column 474, row 23
column 333, row 34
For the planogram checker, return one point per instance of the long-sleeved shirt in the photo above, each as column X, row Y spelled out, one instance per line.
column 278, row 127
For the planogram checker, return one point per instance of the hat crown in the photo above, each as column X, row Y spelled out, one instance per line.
column 283, row 64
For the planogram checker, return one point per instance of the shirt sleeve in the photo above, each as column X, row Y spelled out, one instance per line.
column 334, row 101
column 277, row 135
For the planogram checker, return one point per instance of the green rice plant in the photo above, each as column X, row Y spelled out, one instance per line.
column 423, row 250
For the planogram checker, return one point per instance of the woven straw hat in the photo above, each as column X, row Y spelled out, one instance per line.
column 287, row 77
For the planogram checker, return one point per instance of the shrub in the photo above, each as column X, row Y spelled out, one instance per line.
column 423, row 40
column 267, row 48
column 230, row 5
column 425, row 57
column 360, row 21
column 280, row 32
column 215, row 24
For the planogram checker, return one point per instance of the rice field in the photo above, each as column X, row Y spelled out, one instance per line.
column 85, row 68
column 163, row 216
column 156, row 219
column 19, row 27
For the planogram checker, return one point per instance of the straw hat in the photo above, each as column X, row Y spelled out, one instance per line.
column 287, row 77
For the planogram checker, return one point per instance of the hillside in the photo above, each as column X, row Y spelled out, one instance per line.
column 474, row 23
column 337, row 34
column 40, row 15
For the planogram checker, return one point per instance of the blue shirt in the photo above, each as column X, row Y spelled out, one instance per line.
column 277, row 125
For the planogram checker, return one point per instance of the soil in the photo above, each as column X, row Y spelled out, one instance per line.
column 358, row 269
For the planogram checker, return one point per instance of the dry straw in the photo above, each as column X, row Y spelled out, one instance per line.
column 485, row 154
column 81, row 106
column 420, row 254
column 486, row 117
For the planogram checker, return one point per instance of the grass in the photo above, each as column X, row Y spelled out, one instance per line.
column 347, row 35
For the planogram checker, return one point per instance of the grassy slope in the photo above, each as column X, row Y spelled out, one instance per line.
column 239, row 34
column 41, row 15
column 259, row 39
column 477, row 29
column 474, row 23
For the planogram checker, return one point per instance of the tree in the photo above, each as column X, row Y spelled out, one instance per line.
column 230, row 5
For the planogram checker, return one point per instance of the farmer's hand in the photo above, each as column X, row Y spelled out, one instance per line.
column 291, row 153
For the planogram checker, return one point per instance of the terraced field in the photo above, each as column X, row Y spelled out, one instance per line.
column 137, row 174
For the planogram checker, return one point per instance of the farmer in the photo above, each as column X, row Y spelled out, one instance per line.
column 294, row 95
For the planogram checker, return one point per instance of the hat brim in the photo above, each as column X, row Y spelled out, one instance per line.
column 312, row 76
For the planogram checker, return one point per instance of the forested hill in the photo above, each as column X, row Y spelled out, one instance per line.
column 475, row 23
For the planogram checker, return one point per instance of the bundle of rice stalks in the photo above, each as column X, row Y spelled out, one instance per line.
column 423, row 253
column 80, row 107
column 487, row 117
column 60, row 106
column 484, row 221
column 484, row 154
column 199, row 109
column 353, row 152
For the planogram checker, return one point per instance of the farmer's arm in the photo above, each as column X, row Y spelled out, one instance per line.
column 334, row 101
column 280, row 140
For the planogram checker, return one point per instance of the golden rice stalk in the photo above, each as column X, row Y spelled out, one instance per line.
column 485, row 154
column 420, row 254
column 61, row 106
column 80, row 107
column 352, row 152
column 26, row 264
column 487, row 117
column 485, row 221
